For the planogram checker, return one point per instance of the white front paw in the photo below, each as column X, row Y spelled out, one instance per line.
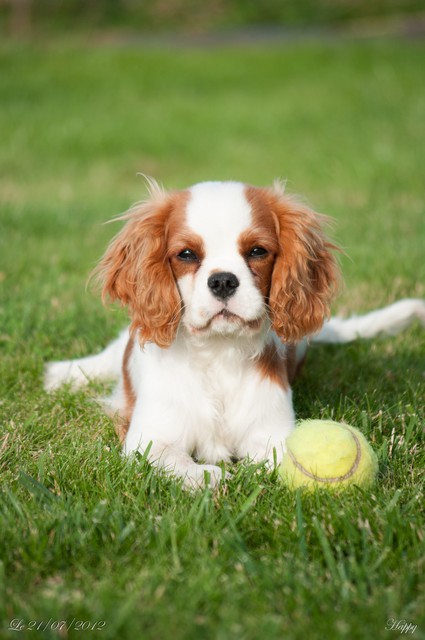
column 200, row 476
column 271, row 453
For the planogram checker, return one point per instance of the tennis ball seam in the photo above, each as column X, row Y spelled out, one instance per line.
column 347, row 475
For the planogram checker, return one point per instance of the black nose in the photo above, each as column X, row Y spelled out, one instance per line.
column 223, row 285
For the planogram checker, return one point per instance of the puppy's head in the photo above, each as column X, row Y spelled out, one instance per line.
column 221, row 258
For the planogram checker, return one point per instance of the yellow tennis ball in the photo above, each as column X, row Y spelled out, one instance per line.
column 323, row 453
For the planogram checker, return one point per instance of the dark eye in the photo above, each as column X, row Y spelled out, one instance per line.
column 188, row 256
column 257, row 252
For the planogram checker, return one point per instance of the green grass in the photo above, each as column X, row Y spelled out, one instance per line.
column 89, row 536
column 165, row 15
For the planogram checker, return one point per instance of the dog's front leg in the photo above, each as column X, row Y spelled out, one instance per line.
column 266, row 437
column 168, row 445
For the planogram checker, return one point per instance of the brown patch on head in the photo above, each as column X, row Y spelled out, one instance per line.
column 272, row 365
column 304, row 275
column 181, row 238
column 136, row 267
column 262, row 234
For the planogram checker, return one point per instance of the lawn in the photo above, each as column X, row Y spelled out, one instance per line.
column 85, row 535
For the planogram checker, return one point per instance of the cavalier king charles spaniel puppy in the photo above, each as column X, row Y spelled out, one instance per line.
column 224, row 283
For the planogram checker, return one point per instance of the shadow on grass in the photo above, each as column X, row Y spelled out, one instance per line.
column 368, row 375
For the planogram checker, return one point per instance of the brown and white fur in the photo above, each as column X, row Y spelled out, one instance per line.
column 225, row 283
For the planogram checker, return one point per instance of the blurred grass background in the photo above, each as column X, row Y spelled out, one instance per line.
column 17, row 16
column 84, row 534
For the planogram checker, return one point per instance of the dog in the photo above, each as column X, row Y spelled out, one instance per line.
column 226, row 284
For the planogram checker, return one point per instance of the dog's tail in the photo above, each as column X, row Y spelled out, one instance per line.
column 389, row 320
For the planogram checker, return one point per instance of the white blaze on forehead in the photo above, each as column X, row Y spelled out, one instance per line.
column 219, row 212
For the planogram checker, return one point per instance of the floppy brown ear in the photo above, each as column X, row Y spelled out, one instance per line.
column 135, row 270
column 305, row 274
